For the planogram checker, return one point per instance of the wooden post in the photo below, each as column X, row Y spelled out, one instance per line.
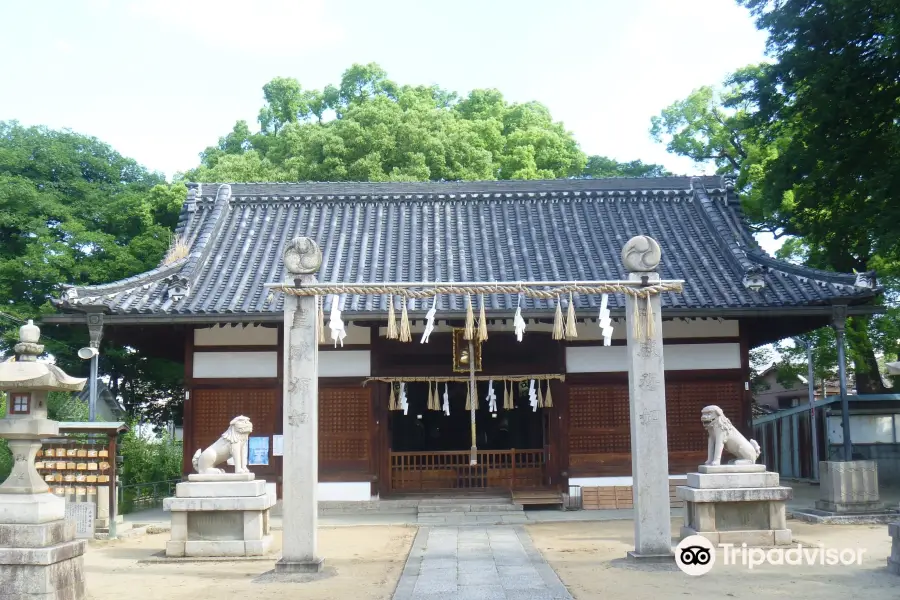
column 473, row 456
column 113, row 499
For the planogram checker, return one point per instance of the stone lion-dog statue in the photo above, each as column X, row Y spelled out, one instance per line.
column 724, row 436
column 232, row 444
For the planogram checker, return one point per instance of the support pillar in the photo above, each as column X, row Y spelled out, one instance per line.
column 302, row 259
column 839, row 324
column 647, row 394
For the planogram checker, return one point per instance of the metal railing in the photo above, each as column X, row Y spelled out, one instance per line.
column 142, row 496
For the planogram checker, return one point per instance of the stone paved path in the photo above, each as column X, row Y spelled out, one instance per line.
column 477, row 563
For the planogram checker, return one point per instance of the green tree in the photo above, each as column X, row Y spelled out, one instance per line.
column 73, row 210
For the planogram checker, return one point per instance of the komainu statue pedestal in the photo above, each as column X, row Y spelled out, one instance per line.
column 736, row 504
column 218, row 514
column 893, row 561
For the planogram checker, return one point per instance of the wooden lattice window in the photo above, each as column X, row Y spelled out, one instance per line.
column 344, row 422
column 599, row 419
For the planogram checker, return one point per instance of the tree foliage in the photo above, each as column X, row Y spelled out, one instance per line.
column 73, row 210
column 814, row 140
column 369, row 128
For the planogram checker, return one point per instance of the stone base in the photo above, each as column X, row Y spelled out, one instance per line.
column 220, row 519
column 718, row 469
column 893, row 561
column 849, row 486
column 41, row 561
column 735, row 507
column 813, row 515
column 850, row 507
column 650, row 558
column 222, row 477
column 219, row 548
column 31, row 508
column 283, row 567
column 751, row 537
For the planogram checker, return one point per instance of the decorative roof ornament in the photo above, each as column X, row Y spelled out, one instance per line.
column 755, row 279
column 641, row 254
column 177, row 287
column 302, row 256
column 866, row 280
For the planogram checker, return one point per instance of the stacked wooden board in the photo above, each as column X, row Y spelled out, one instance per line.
column 620, row 496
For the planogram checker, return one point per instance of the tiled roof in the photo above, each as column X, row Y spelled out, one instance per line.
column 465, row 231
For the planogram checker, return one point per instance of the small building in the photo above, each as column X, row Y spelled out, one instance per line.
column 210, row 309
column 775, row 395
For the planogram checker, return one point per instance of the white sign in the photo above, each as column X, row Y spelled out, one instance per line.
column 277, row 445
column 83, row 515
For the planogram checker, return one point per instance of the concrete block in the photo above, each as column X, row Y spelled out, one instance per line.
column 712, row 536
column 718, row 469
column 258, row 547
column 42, row 556
column 23, row 509
column 253, row 525
column 179, row 531
column 37, row 535
column 732, row 480
column 217, row 504
column 175, row 549
column 21, row 581
column 777, row 516
column 702, row 516
column 849, row 482
column 214, row 548
column 222, row 477
column 220, row 489
column 76, row 591
column 290, row 567
column 894, row 530
column 783, row 537
column 734, row 495
column 751, row 538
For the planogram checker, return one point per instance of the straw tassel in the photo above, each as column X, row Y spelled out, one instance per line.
column 548, row 399
column 405, row 334
column 437, row 397
column 320, row 301
column 392, row 333
column 469, row 332
column 468, row 398
column 482, row 323
column 392, row 405
column 571, row 329
column 637, row 326
column 558, row 322
column 430, row 400
column 650, row 320
column 540, row 395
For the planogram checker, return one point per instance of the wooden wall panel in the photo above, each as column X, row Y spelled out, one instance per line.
column 344, row 429
column 599, row 425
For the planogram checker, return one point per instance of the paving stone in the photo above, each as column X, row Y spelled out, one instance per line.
column 481, row 592
column 478, row 563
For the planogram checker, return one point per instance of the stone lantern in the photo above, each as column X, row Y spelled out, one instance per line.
column 39, row 556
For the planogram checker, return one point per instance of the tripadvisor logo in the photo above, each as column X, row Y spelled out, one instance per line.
column 695, row 555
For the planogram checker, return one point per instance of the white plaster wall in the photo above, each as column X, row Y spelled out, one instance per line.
column 355, row 335
column 677, row 357
column 609, row 481
column 348, row 363
column 235, row 364
column 864, row 429
column 346, row 491
column 236, row 335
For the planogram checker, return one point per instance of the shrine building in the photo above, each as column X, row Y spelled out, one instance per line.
column 393, row 415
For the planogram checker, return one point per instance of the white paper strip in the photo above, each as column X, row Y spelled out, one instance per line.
column 604, row 321
column 519, row 324
column 446, row 405
column 532, row 397
column 429, row 321
column 403, row 401
column 491, row 397
column 336, row 324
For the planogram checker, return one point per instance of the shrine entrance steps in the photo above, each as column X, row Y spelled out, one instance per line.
column 483, row 510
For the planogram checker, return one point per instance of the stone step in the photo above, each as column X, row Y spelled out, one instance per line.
column 127, row 532
column 464, row 500
column 465, row 508
column 471, row 518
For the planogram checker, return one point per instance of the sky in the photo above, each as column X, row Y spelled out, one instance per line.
column 160, row 80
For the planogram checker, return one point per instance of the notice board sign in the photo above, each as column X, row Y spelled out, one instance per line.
column 83, row 514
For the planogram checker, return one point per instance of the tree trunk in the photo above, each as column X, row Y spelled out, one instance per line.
column 860, row 351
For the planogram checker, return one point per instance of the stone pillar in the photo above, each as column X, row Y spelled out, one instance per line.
column 647, row 394
column 839, row 322
column 893, row 561
column 302, row 259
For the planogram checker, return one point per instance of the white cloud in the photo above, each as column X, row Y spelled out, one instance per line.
column 261, row 26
